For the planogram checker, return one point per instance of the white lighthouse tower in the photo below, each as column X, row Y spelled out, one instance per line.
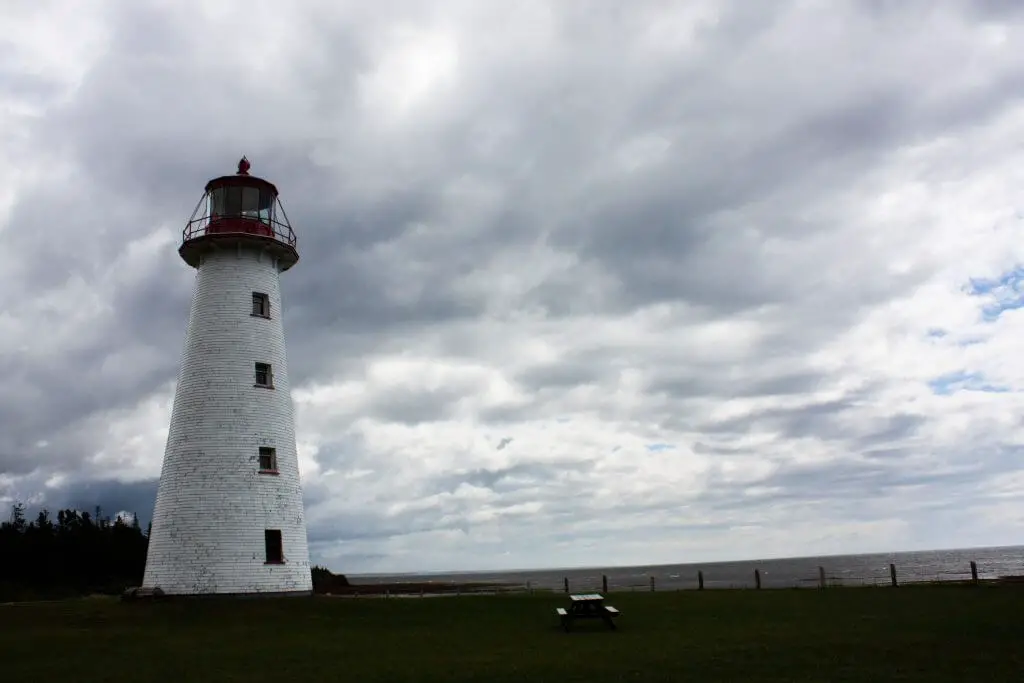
column 229, row 515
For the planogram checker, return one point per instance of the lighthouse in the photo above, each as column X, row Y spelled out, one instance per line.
column 229, row 517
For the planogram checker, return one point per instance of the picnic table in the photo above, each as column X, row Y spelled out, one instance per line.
column 587, row 606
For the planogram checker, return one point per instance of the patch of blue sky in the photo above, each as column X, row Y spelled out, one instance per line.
column 937, row 334
column 941, row 336
column 659, row 447
column 1005, row 293
column 963, row 381
column 971, row 341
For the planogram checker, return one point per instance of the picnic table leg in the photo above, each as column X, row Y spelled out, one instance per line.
column 608, row 620
column 566, row 622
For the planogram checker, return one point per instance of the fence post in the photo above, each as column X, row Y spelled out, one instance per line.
column 757, row 579
column 652, row 584
column 821, row 577
column 604, row 583
column 700, row 580
column 529, row 588
column 892, row 575
column 565, row 580
column 458, row 591
column 974, row 572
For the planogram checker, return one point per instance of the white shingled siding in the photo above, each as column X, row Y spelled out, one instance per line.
column 212, row 504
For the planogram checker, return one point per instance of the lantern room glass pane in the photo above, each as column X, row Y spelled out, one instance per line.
column 226, row 201
column 245, row 202
column 250, row 204
column 232, row 201
column 266, row 207
column 217, row 202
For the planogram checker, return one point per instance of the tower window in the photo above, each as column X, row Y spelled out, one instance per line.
column 264, row 376
column 260, row 305
column 268, row 459
column 272, row 541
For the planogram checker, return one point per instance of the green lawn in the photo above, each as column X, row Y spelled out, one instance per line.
column 925, row 633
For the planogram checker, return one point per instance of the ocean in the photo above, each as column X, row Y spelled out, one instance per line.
column 797, row 572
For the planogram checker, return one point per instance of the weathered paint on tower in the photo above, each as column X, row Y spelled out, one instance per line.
column 229, row 515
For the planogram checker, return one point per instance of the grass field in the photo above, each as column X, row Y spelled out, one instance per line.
column 925, row 633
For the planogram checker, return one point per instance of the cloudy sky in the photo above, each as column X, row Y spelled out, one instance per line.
column 592, row 283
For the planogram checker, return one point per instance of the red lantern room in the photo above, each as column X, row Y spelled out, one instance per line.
column 239, row 210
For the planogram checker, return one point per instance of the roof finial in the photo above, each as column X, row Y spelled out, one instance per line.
column 243, row 166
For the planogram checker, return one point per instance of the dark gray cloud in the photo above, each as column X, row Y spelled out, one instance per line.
column 115, row 497
column 534, row 242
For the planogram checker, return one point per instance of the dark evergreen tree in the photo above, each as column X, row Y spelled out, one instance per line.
column 78, row 554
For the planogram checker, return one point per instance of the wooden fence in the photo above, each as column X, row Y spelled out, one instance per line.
column 822, row 580
column 699, row 581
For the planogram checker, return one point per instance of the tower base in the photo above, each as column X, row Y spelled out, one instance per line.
column 152, row 594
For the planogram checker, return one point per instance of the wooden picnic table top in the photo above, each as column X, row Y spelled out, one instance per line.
column 597, row 597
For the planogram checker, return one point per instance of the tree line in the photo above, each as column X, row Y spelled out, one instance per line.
column 76, row 553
